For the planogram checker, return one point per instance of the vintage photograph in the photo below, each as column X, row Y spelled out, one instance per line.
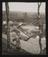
column 23, row 28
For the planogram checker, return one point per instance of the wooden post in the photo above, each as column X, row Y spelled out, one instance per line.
column 8, row 31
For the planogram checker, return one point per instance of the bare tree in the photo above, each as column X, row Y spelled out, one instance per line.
column 7, row 16
column 25, row 16
column 39, row 5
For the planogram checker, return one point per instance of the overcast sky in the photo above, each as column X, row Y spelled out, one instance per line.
column 25, row 7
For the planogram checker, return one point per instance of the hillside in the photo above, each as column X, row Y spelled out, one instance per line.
column 24, row 17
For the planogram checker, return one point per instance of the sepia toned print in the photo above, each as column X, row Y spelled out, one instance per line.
column 23, row 28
